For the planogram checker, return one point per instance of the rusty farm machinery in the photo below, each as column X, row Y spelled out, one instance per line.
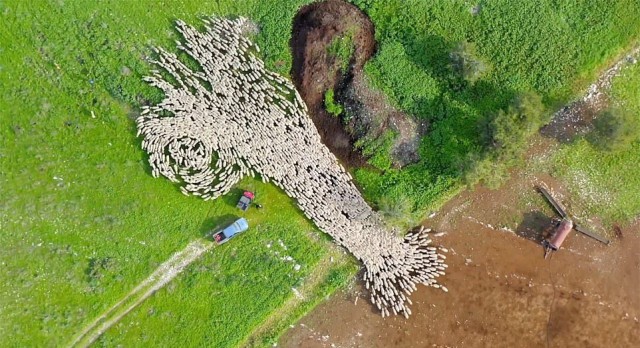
column 562, row 228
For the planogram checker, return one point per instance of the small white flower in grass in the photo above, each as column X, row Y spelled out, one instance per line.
column 297, row 293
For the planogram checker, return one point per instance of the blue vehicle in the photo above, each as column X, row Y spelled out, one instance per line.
column 231, row 231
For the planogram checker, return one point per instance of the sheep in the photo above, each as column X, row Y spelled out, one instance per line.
column 266, row 134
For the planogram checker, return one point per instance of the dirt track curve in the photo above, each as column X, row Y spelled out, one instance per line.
column 158, row 279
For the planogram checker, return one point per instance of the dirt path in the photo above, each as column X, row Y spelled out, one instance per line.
column 158, row 279
column 576, row 118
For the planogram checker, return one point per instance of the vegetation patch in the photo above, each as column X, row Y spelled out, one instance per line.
column 589, row 165
column 508, row 134
column 331, row 105
column 341, row 48
column 454, row 64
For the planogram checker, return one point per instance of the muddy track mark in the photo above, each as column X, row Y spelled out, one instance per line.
column 158, row 279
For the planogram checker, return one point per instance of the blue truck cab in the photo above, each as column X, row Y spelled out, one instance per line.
column 231, row 231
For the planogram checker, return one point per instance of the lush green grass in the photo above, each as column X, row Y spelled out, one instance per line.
column 232, row 289
column 605, row 184
column 552, row 48
column 81, row 219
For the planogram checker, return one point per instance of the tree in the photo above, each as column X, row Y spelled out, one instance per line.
column 512, row 127
column 508, row 133
column 615, row 129
column 465, row 60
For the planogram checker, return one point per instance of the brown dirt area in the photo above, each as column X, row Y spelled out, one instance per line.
column 315, row 70
column 502, row 292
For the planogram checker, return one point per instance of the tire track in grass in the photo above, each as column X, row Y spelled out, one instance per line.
column 158, row 279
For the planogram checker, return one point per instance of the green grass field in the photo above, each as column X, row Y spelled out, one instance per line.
column 82, row 221
column 606, row 183
column 551, row 48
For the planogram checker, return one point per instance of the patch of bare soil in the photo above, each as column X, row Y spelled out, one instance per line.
column 315, row 70
column 372, row 114
column 502, row 292
column 577, row 118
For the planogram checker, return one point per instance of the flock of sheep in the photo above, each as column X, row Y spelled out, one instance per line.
column 234, row 118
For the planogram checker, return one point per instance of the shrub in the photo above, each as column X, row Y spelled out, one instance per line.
column 512, row 128
column 490, row 170
column 615, row 129
column 509, row 134
column 465, row 61
column 331, row 105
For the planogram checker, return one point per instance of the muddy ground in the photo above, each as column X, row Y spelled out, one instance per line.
column 502, row 292
column 315, row 70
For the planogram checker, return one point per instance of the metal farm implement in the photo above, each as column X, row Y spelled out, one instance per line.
column 562, row 229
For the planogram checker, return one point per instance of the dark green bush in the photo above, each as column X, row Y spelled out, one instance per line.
column 615, row 129
column 512, row 127
column 508, row 133
column 331, row 105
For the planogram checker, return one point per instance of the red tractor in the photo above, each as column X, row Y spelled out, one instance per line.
column 245, row 200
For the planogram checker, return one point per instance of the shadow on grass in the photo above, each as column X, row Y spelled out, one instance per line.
column 214, row 224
